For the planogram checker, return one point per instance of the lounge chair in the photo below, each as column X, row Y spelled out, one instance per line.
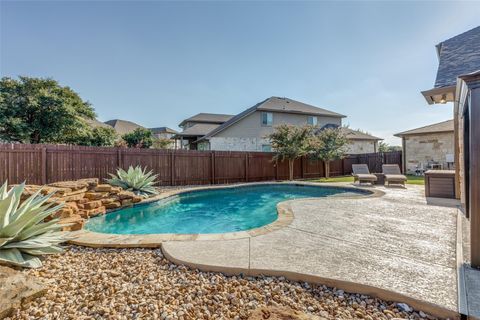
column 362, row 174
column 393, row 174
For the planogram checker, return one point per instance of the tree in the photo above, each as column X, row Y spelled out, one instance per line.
column 289, row 143
column 103, row 137
column 328, row 145
column 385, row 147
column 139, row 138
column 161, row 143
column 39, row 110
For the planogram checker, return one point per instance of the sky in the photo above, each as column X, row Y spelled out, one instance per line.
column 156, row 63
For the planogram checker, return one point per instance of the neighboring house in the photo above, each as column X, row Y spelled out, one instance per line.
column 361, row 142
column 458, row 81
column 94, row 123
column 198, row 126
column 247, row 130
column 122, row 126
column 163, row 132
column 428, row 147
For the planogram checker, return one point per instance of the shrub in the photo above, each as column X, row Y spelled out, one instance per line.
column 135, row 180
column 23, row 234
column 139, row 138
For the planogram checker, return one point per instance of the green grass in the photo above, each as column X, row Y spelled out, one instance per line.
column 411, row 179
column 420, row 180
column 334, row 179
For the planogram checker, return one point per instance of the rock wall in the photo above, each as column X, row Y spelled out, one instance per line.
column 83, row 199
column 361, row 146
column 421, row 149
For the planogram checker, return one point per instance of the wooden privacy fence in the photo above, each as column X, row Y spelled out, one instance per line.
column 42, row 164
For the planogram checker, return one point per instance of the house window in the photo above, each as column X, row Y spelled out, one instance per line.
column 266, row 148
column 267, row 119
column 312, row 120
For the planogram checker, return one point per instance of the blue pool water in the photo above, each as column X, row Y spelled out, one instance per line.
column 208, row 211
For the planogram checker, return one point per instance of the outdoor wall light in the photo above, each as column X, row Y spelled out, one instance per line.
column 444, row 99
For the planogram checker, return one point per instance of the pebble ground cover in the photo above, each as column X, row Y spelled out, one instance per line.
column 86, row 283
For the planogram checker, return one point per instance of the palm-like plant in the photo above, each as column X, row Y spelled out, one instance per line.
column 135, row 180
column 23, row 234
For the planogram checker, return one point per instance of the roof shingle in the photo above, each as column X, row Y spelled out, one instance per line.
column 275, row 104
column 458, row 56
column 445, row 126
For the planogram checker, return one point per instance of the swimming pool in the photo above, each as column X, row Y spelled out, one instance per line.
column 209, row 211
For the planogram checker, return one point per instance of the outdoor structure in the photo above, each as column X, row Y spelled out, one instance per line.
column 247, row 130
column 361, row 142
column 428, row 147
column 122, row 126
column 458, row 81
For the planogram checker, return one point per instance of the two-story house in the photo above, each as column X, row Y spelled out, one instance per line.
column 247, row 131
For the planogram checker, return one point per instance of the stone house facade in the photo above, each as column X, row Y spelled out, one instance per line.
column 428, row 147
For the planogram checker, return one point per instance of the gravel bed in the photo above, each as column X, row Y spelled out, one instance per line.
column 88, row 283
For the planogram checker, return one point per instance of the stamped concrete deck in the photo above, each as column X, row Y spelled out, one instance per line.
column 396, row 247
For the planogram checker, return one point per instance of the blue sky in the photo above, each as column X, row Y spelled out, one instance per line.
column 156, row 63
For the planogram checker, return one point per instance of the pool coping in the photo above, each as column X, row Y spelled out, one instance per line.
column 284, row 210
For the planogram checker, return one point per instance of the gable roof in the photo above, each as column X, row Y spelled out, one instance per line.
column 198, row 129
column 359, row 135
column 275, row 104
column 94, row 123
column 208, row 118
column 444, row 126
column 458, row 56
column 122, row 126
column 162, row 130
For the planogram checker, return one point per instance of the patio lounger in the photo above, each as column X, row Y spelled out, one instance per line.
column 393, row 174
column 362, row 174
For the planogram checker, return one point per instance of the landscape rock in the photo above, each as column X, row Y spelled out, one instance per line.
column 17, row 288
column 281, row 313
column 103, row 188
column 88, row 283
column 82, row 199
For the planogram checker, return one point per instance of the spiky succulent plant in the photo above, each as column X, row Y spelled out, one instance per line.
column 135, row 180
column 23, row 233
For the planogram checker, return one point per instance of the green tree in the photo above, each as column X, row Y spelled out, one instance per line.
column 385, row 147
column 289, row 143
column 139, row 138
column 161, row 143
column 328, row 145
column 103, row 137
column 39, row 110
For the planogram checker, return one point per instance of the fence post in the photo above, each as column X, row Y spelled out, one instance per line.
column 343, row 166
column 276, row 169
column 212, row 162
column 44, row 166
column 119, row 158
column 172, row 168
column 246, row 166
column 302, row 166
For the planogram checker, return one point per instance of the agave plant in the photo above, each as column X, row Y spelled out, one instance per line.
column 23, row 234
column 135, row 180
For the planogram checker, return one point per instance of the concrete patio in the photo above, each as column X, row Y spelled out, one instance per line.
column 396, row 247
